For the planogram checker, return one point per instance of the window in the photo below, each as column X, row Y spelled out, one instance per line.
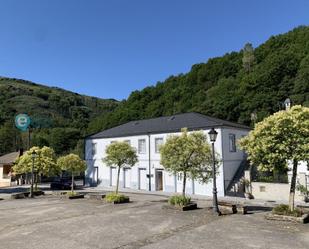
column 232, row 143
column 141, row 146
column 127, row 141
column 158, row 142
column 113, row 142
column 94, row 149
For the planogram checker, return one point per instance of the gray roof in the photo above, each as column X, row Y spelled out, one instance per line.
column 174, row 123
column 9, row 159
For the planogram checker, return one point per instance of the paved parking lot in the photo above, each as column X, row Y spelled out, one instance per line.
column 49, row 222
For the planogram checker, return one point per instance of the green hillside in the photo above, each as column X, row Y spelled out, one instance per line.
column 59, row 118
column 230, row 87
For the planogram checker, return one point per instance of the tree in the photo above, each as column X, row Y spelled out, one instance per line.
column 72, row 163
column 189, row 154
column 279, row 139
column 44, row 162
column 120, row 154
column 248, row 57
column 7, row 138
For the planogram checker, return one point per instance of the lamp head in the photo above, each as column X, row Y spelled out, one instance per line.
column 212, row 135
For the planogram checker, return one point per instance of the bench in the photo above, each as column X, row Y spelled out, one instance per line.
column 228, row 205
column 242, row 208
column 234, row 207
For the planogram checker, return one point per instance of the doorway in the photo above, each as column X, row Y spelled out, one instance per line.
column 159, row 179
column 95, row 176
column 142, row 179
column 126, row 177
column 113, row 176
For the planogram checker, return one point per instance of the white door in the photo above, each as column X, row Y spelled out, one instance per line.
column 127, row 177
column 113, row 178
column 142, row 179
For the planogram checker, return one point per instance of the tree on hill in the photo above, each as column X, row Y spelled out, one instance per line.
column 120, row 154
column 72, row 163
column 279, row 139
column 188, row 154
column 44, row 163
column 248, row 57
column 8, row 138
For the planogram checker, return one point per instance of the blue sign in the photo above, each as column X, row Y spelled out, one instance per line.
column 22, row 122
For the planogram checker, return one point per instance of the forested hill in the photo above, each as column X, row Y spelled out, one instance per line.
column 59, row 118
column 230, row 87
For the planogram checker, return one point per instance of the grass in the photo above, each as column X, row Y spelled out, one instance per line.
column 179, row 200
column 113, row 197
column 71, row 193
column 285, row 210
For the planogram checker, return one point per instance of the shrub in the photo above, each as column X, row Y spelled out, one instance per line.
column 71, row 193
column 113, row 197
column 303, row 190
column 285, row 210
column 179, row 200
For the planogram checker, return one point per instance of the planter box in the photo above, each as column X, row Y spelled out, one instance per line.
column 77, row 196
column 21, row 195
column 125, row 200
column 188, row 207
column 93, row 196
column 303, row 219
column 38, row 193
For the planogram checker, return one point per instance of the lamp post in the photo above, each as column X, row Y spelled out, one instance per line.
column 213, row 136
column 287, row 104
column 33, row 155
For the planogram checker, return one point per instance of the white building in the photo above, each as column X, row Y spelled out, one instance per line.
column 146, row 136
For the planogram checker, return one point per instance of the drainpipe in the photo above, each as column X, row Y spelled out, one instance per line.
column 149, row 163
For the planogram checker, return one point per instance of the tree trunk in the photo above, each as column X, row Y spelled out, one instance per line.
column 293, row 185
column 117, row 185
column 184, row 184
column 72, row 183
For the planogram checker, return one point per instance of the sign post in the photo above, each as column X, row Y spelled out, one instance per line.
column 22, row 122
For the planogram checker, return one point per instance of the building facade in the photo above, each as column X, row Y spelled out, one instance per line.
column 146, row 136
column 6, row 164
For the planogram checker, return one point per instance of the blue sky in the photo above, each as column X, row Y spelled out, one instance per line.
column 108, row 48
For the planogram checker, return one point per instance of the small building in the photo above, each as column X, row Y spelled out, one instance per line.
column 146, row 136
column 6, row 164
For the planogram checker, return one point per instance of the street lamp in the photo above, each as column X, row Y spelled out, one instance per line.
column 33, row 155
column 213, row 136
column 287, row 104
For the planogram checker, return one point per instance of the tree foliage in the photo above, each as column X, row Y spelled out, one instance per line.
column 248, row 57
column 189, row 154
column 72, row 163
column 44, row 162
column 120, row 154
column 279, row 139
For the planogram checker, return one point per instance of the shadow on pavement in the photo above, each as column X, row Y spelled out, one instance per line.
column 19, row 189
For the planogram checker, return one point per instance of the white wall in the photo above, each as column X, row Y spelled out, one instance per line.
column 170, row 182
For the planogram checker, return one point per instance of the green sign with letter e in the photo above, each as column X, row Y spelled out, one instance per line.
column 22, row 122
